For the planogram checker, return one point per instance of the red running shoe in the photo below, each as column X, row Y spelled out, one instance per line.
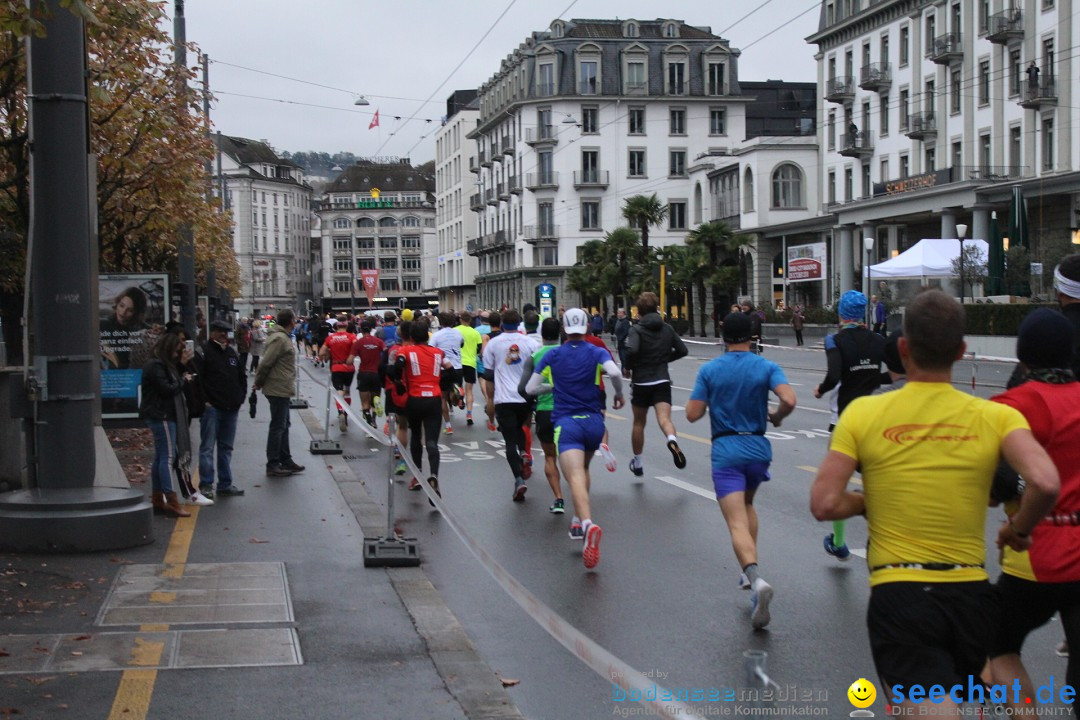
column 590, row 554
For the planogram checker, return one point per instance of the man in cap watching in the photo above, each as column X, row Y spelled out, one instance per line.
column 854, row 356
column 224, row 386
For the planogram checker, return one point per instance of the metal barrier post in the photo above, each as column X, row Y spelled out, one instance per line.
column 391, row 550
column 297, row 402
column 390, row 478
column 326, row 446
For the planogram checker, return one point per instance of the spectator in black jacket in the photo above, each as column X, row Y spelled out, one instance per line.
column 165, row 414
column 622, row 332
column 224, row 386
column 650, row 346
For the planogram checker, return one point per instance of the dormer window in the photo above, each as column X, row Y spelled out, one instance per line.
column 671, row 29
column 558, row 29
column 631, row 29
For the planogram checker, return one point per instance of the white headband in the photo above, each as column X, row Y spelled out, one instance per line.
column 1066, row 286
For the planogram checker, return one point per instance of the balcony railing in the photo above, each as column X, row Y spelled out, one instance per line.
column 498, row 239
column 485, row 161
column 473, row 165
column 988, row 173
column 876, row 77
column 591, row 178
column 1035, row 96
column 840, row 89
column 502, row 192
column 537, row 181
column 540, row 134
column 545, row 89
column 476, row 202
column 1006, row 26
column 637, row 88
column 856, row 144
column 947, row 49
column 513, row 185
column 543, row 231
column 921, row 126
column 588, row 87
column 474, row 246
column 489, row 197
column 507, row 145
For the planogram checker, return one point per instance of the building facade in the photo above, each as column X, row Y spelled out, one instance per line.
column 270, row 205
column 377, row 217
column 455, row 223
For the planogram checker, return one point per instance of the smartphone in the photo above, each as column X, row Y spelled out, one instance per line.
column 189, row 345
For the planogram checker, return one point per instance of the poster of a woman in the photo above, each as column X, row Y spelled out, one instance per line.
column 132, row 311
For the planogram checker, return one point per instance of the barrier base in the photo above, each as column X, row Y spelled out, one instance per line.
column 391, row 552
column 325, row 447
column 298, row 404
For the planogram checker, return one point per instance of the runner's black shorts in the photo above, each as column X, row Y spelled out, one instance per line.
column 468, row 374
column 650, row 395
column 388, row 404
column 545, row 428
column 488, row 374
column 931, row 633
column 368, row 382
column 448, row 378
column 341, row 380
column 1027, row 605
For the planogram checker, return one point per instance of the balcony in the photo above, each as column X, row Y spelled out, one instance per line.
column 507, row 145
column 637, row 88
column 922, row 126
column 541, row 233
column 502, row 192
column 498, row 239
column 513, row 185
column 542, row 181
column 540, row 134
column 1034, row 97
column 840, row 89
column 476, row 202
column 545, row 90
column 473, row 165
column 410, row 250
column 474, row 246
column 496, row 156
column 590, row 179
column 1006, row 27
column 483, row 158
column 988, row 173
column 856, row 145
column 489, row 197
column 876, row 77
column 947, row 49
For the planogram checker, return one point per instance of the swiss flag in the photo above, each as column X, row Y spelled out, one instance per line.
column 374, row 121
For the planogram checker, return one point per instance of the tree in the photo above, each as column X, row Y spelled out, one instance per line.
column 1018, row 271
column 642, row 212
column 726, row 266
column 150, row 142
column 625, row 268
column 974, row 269
column 686, row 265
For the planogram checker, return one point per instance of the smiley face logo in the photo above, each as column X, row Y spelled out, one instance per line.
column 862, row 693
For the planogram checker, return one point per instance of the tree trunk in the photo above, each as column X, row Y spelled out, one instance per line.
column 690, row 308
column 718, row 317
column 701, row 306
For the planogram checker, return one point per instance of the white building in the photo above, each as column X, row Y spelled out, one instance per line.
column 578, row 118
column 380, row 217
column 455, row 223
column 270, row 205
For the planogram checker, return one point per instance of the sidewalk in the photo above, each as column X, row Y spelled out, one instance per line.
column 256, row 607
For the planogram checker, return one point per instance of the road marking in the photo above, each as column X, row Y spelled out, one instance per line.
column 686, row 486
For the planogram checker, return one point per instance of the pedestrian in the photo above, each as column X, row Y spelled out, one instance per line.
column 597, row 323
column 494, row 322
column 504, row 357
column 545, row 426
column 337, row 352
column 276, row 377
column 450, row 341
column 622, row 332
column 223, row 384
column 369, row 349
column 651, row 344
column 927, row 453
column 242, row 335
column 797, row 321
column 853, row 356
column 416, row 373
column 577, row 414
column 470, row 349
column 163, row 409
column 755, row 326
column 880, row 316
column 258, row 343
column 734, row 389
column 1045, row 578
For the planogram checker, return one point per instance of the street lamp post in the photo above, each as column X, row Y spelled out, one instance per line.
column 868, row 243
column 961, row 231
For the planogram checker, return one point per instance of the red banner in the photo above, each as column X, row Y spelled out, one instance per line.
column 370, row 280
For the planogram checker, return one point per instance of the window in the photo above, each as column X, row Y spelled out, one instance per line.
column 884, row 48
column 677, row 163
column 1048, row 57
column 905, row 45
column 830, row 131
column 388, row 243
column 957, row 154
column 904, row 109
column 849, row 184
column 365, row 222
column 955, row 96
column 546, row 87
column 388, row 263
column 342, row 286
column 546, row 256
column 365, row 243
column 866, row 53
column 635, row 121
column 590, row 166
column 985, row 158
column 717, row 117
column 544, row 165
column 676, row 77
column 715, row 79
column 545, row 219
column 589, row 121
column 1015, row 72
column 748, row 190
column 341, row 266
column 984, row 82
column 636, row 163
column 984, row 16
column 590, row 215
column 275, row 198
column 1048, row 143
column 787, row 187
column 387, row 222
column 365, row 263
column 1015, row 149
column 867, row 188
column 676, row 216
column 631, row 30
column 905, row 166
column 884, row 170
column 342, row 243
column 832, row 187
column 931, row 160
column 411, row 241
column 388, row 284
column 677, row 121
column 411, row 284
column 410, row 263
column 883, row 114
column 635, row 77
column 587, row 80
column 931, row 32
column 411, row 221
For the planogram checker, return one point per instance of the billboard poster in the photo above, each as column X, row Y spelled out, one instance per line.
column 132, row 310
column 806, row 262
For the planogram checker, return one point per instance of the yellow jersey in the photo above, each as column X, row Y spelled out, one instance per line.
column 927, row 454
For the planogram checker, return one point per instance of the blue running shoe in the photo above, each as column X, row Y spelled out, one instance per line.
column 840, row 552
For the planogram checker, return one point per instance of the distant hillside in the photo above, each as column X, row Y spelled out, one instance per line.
column 320, row 164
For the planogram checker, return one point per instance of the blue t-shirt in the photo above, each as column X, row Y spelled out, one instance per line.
column 735, row 387
column 575, row 374
column 483, row 329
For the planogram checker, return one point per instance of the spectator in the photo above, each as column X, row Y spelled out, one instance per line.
column 224, row 386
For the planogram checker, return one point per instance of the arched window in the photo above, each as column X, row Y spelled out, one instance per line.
column 748, row 191
column 411, row 221
column 787, row 186
column 387, row 222
column 365, row 222
column 630, row 29
column 342, row 223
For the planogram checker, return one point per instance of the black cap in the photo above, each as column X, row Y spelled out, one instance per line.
column 220, row 326
column 1045, row 340
column 892, row 353
column 736, row 328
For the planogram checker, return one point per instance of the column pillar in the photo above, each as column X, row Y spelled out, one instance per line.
column 845, row 261
column 980, row 224
column 948, row 223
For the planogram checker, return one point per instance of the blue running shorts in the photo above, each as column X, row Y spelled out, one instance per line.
column 579, row 432
column 739, row 478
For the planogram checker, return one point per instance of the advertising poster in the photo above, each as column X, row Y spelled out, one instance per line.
column 132, row 311
column 806, row 262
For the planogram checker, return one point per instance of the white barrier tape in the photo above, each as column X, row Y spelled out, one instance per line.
column 368, row 430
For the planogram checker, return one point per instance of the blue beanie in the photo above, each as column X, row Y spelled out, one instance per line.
column 852, row 306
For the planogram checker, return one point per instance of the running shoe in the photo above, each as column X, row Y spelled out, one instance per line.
column 590, row 554
column 519, row 490
column 343, row 422
column 576, row 531
column 468, row 418
column 636, row 469
column 401, row 468
column 558, row 507
column 460, row 402
column 449, row 429
column 376, row 404
column 676, row 454
column 526, row 467
column 840, row 552
column 744, row 582
column 491, row 426
column 414, row 485
column 434, row 483
column 609, row 458
column 759, row 614
column 1062, row 649
column 386, row 429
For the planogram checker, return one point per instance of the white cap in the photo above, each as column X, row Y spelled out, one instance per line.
column 575, row 321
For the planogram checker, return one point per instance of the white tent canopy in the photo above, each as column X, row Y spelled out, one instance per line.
column 927, row 258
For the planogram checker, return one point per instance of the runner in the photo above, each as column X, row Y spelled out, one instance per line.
column 545, row 403
column 469, row 350
column 734, row 389
column 605, row 452
column 449, row 340
column 416, row 372
column 337, row 351
column 370, row 350
column 854, row 356
column 394, row 403
column 483, row 329
column 575, row 370
column 494, row 330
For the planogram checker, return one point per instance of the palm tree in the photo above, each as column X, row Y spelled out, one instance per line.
column 587, row 277
column 625, row 265
column 726, row 266
column 641, row 212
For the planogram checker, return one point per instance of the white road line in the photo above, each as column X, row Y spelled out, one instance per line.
column 687, row 486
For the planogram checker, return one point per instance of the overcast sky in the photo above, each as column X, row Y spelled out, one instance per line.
column 400, row 53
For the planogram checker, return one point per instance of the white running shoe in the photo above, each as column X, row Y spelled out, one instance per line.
column 763, row 592
column 744, row 582
column 197, row 498
column 609, row 458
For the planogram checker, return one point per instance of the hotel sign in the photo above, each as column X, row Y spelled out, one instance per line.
column 915, row 182
column 806, row 262
column 371, row 204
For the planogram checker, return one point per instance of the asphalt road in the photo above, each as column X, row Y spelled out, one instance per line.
column 664, row 597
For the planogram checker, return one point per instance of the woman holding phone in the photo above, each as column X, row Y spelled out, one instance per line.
column 165, row 412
